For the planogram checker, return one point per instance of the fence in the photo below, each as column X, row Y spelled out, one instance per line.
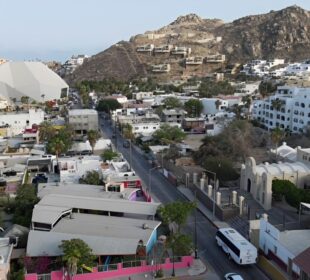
column 122, row 269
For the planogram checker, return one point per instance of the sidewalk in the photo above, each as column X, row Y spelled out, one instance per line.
column 204, row 210
column 197, row 271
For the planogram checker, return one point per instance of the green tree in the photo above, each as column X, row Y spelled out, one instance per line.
column 277, row 135
column 46, row 131
column 24, row 99
column 93, row 136
column 25, row 200
column 193, row 107
column 266, row 88
column 210, row 88
column 176, row 213
column 277, row 104
column 76, row 254
column 107, row 105
column 172, row 102
column 218, row 103
column 91, row 178
column 168, row 134
column 109, row 154
column 127, row 131
column 223, row 167
column 181, row 244
column 56, row 146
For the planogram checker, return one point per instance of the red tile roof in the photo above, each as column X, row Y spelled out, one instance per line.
column 303, row 261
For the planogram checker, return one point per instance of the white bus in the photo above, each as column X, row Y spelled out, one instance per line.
column 236, row 246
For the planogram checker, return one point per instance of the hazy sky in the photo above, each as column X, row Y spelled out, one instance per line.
column 55, row 29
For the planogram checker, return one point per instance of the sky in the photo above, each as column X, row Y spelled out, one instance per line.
column 57, row 29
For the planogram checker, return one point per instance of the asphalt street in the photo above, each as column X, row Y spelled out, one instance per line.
column 163, row 191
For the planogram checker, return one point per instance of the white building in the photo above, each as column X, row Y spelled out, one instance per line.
column 257, row 179
column 283, row 245
column 212, row 106
column 142, row 95
column 288, row 108
column 17, row 122
column 260, row 67
column 83, row 120
column 72, row 169
column 145, row 129
column 298, row 68
column 32, row 79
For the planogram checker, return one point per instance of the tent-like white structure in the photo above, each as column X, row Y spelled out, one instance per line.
column 32, row 79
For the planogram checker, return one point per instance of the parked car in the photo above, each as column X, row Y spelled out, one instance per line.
column 126, row 144
column 233, row 276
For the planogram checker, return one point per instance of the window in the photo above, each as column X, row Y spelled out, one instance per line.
column 228, row 243
column 302, row 113
column 302, row 105
column 275, row 250
column 297, row 104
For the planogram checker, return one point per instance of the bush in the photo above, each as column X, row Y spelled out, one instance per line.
column 159, row 273
column 293, row 195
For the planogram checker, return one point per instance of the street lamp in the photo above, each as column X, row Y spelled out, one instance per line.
column 214, row 188
column 173, row 270
column 195, row 216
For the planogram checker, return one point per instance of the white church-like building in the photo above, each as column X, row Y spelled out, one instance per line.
column 257, row 178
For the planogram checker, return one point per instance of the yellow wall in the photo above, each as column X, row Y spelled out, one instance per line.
column 270, row 269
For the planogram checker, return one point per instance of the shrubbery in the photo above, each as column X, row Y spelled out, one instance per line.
column 292, row 194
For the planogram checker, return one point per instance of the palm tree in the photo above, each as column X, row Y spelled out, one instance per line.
column 56, row 146
column 277, row 104
column 218, row 103
column 93, row 136
column 277, row 135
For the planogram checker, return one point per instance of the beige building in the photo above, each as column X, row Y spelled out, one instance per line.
column 83, row 120
column 257, row 179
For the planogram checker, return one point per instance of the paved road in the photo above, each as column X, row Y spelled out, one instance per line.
column 165, row 192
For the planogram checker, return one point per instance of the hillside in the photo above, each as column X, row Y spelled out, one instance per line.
column 283, row 34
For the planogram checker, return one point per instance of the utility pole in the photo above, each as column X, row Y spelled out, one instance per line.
column 196, row 246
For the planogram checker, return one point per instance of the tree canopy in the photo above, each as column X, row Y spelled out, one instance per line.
column 93, row 136
column 76, row 254
column 168, row 134
column 91, row 178
column 176, row 213
column 292, row 194
column 109, row 154
column 46, row 131
column 210, row 88
column 107, row 105
column 193, row 107
column 172, row 102
column 25, row 200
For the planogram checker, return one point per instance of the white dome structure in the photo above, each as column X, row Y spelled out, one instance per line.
column 32, row 79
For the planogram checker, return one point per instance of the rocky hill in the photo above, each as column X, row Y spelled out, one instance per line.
column 281, row 34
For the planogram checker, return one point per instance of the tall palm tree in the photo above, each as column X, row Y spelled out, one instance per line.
column 277, row 135
column 93, row 136
column 56, row 146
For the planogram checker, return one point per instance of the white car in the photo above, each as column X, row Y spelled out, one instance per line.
column 233, row 276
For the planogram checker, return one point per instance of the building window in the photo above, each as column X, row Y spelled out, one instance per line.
column 302, row 105
column 297, row 104
column 275, row 250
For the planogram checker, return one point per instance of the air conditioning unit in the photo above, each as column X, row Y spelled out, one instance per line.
column 145, row 226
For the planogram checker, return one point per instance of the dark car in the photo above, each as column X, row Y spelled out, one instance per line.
column 126, row 144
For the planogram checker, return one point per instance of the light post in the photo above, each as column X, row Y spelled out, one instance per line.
column 173, row 271
column 214, row 188
column 195, row 216
column 130, row 154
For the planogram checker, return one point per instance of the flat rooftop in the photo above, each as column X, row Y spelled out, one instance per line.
column 295, row 240
column 81, row 190
column 105, row 235
column 100, row 204
column 82, row 112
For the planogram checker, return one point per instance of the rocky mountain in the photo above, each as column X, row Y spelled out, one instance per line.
column 277, row 34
